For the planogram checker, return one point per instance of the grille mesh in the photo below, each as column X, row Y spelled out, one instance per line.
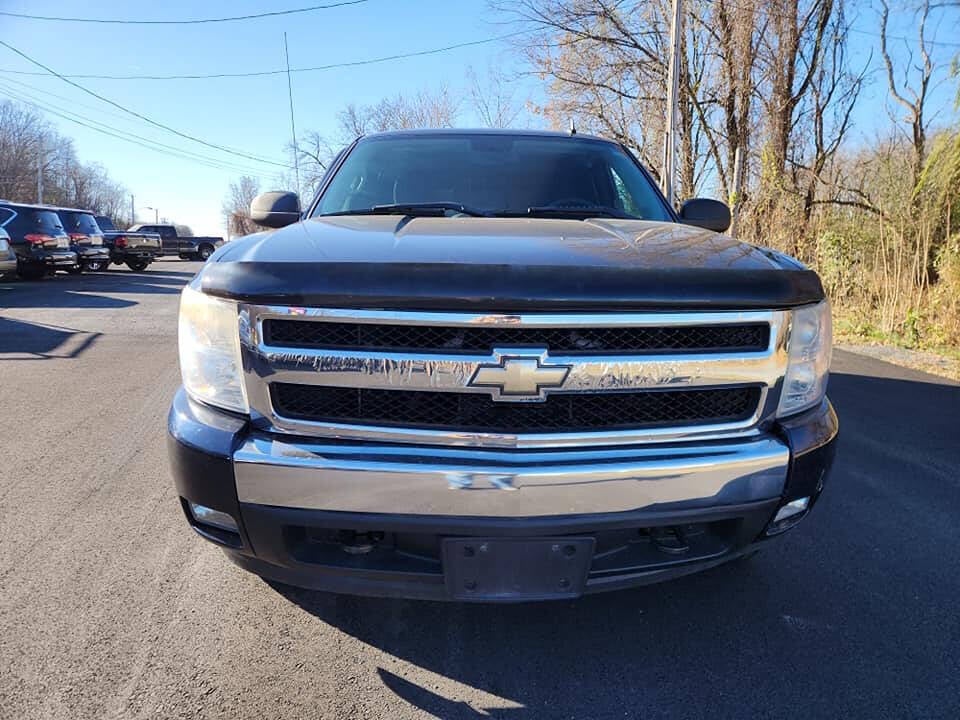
column 478, row 413
column 428, row 338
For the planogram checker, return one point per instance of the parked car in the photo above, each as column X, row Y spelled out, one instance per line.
column 37, row 237
column 136, row 249
column 8, row 258
column 86, row 240
column 497, row 366
column 186, row 247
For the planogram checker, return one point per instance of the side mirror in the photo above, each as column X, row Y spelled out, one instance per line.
column 710, row 214
column 275, row 209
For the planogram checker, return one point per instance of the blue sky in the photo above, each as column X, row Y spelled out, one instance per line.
column 251, row 114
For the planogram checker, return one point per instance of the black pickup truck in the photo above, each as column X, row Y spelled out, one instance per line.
column 187, row 247
column 497, row 366
column 135, row 249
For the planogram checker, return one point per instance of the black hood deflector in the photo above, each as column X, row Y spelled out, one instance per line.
column 508, row 288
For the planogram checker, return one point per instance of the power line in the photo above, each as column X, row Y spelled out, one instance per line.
column 191, row 21
column 138, row 115
column 71, row 101
column 18, row 94
column 283, row 71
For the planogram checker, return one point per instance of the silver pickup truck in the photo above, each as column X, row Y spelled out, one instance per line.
column 497, row 366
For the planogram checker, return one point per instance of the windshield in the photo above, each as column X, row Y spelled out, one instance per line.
column 498, row 175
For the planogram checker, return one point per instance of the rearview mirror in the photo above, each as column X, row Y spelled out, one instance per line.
column 702, row 212
column 275, row 209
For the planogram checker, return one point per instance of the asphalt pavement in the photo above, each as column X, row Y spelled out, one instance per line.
column 110, row 607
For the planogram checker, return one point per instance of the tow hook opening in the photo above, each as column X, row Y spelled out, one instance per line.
column 669, row 540
column 353, row 542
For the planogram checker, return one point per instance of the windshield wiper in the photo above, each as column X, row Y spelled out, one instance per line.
column 584, row 212
column 427, row 209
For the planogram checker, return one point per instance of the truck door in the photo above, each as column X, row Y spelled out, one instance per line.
column 168, row 239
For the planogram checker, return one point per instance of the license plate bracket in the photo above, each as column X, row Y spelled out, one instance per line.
column 515, row 569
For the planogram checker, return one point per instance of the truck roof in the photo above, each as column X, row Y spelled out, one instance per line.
column 52, row 208
column 440, row 132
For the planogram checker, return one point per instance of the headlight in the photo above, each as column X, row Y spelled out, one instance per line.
column 210, row 364
column 810, row 347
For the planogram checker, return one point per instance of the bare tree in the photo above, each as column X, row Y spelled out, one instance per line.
column 316, row 152
column 604, row 64
column 791, row 54
column 29, row 147
column 424, row 109
column 910, row 87
column 493, row 99
column 236, row 206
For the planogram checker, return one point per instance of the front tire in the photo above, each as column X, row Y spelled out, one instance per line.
column 75, row 270
column 98, row 265
column 137, row 265
column 205, row 252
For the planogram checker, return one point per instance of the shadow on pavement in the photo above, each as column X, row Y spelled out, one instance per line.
column 91, row 290
column 851, row 615
column 33, row 341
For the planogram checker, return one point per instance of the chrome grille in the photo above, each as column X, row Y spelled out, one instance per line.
column 477, row 413
column 743, row 337
column 412, row 377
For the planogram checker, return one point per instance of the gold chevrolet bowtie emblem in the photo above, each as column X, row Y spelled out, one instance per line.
column 519, row 375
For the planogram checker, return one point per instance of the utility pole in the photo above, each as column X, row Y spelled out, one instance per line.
column 40, row 173
column 668, row 176
column 293, row 126
column 133, row 211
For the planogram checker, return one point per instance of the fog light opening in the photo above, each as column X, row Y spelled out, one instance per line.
column 789, row 515
column 214, row 518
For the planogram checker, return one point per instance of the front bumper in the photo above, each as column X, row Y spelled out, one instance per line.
column 355, row 518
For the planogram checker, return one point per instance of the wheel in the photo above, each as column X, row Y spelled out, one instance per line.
column 205, row 252
column 30, row 272
column 98, row 265
column 137, row 265
column 75, row 270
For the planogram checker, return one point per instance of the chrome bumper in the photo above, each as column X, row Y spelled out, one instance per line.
column 365, row 478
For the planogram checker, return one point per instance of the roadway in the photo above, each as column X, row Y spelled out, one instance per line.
column 110, row 607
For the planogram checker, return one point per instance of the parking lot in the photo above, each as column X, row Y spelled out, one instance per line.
column 110, row 607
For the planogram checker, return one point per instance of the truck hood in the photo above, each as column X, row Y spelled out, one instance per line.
column 504, row 264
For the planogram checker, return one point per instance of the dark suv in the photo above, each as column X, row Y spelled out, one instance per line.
column 86, row 239
column 37, row 237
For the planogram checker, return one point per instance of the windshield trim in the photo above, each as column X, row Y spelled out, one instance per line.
column 346, row 152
